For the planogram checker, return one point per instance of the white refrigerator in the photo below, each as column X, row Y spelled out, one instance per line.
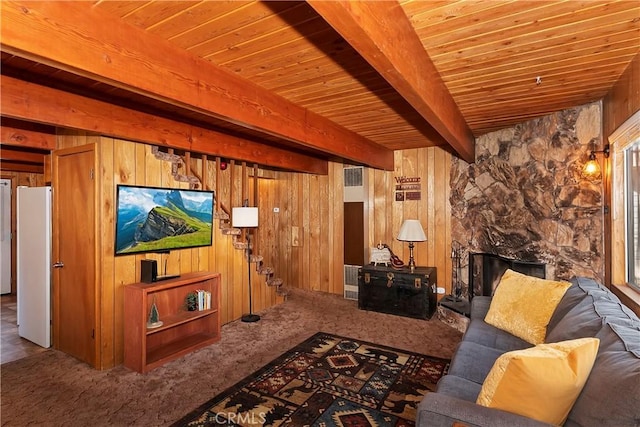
column 33, row 264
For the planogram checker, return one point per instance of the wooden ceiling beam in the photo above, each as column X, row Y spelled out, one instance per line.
column 11, row 154
column 21, row 167
column 26, row 137
column 105, row 48
column 28, row 101
column 383, row 35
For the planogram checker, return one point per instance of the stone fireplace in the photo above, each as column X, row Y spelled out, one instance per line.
column 525, row 198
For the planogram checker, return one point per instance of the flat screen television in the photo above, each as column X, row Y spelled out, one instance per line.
column 154, row 219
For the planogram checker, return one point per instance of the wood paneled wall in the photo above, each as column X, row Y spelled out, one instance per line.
column 624, row 98
column 123, row 162
column 305, row 236
column 25, row 179
column 304, row 240
column 433, row 166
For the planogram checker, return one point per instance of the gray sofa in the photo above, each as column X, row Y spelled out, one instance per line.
column 611, row 395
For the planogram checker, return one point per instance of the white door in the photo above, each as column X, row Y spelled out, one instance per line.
column 34, row 264
column 5, row 236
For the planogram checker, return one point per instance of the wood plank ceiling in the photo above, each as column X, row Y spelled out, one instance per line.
column 498, row 63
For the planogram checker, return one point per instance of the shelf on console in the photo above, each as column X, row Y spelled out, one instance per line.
column 176, row 348
column 180, row 318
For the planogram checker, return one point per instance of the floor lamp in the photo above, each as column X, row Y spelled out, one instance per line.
column 246, row 217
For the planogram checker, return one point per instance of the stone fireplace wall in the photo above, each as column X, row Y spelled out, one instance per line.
column 525, row 196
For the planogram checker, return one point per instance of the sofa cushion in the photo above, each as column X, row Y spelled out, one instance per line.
column 615, row 337
column 479, row 307
column 458, row 387
column 574, row 294
column 473, row 361
column 587, row 283
column 440, row 410
column 629, row 336
column 589, row 315
column 611, row 395
column 522, row 305
column 541, row 382
column 483, row 333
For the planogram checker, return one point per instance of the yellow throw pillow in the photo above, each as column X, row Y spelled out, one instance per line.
column 540, row 382
column 522, row 305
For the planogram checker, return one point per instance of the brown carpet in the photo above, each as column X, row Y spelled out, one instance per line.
column 54, row 389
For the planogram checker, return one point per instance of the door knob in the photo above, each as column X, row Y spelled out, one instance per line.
column 58, row 264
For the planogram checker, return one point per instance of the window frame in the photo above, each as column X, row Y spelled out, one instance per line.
column 623, row 138
column 630, row 210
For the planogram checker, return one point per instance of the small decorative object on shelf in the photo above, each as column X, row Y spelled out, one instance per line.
column 191, row 301
column 154, row 318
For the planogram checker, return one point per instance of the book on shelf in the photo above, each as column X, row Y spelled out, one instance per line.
column 204, row 300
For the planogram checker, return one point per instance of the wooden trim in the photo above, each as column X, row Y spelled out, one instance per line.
column 627, row 132
column 620, row 139
column 383, row 35
column 104, row 48
column 29, row 101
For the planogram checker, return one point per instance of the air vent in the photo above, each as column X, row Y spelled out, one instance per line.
column 354, row 183
column 353, row 177
column 351, row 282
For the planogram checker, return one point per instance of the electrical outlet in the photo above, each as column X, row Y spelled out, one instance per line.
column 276, row 210
column 441, row 290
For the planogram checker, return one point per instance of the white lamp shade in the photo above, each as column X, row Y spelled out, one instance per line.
column 411, row 231
column 244, row 217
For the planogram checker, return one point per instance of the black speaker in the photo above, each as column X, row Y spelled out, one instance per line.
column 148, row 270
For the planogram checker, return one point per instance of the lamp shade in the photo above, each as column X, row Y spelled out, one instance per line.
column 244, row 217
column 411, row 231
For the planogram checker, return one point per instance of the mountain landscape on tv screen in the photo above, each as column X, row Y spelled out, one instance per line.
column 151, row 219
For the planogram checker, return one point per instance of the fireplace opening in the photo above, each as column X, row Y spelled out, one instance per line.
column 485, row 271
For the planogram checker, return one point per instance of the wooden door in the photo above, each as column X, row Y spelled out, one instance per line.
column 74, row 241
column 354, row 233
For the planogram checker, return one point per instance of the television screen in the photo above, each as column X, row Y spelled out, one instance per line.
column 152, row 219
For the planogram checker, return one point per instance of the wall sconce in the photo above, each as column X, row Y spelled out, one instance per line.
column 591, row 169
column 411, row 231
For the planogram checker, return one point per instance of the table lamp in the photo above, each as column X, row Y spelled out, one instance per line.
column 411, row 231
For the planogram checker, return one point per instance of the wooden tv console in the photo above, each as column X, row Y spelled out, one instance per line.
column 182, row 331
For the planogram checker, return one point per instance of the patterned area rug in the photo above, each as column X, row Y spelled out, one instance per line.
column 327, row 381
